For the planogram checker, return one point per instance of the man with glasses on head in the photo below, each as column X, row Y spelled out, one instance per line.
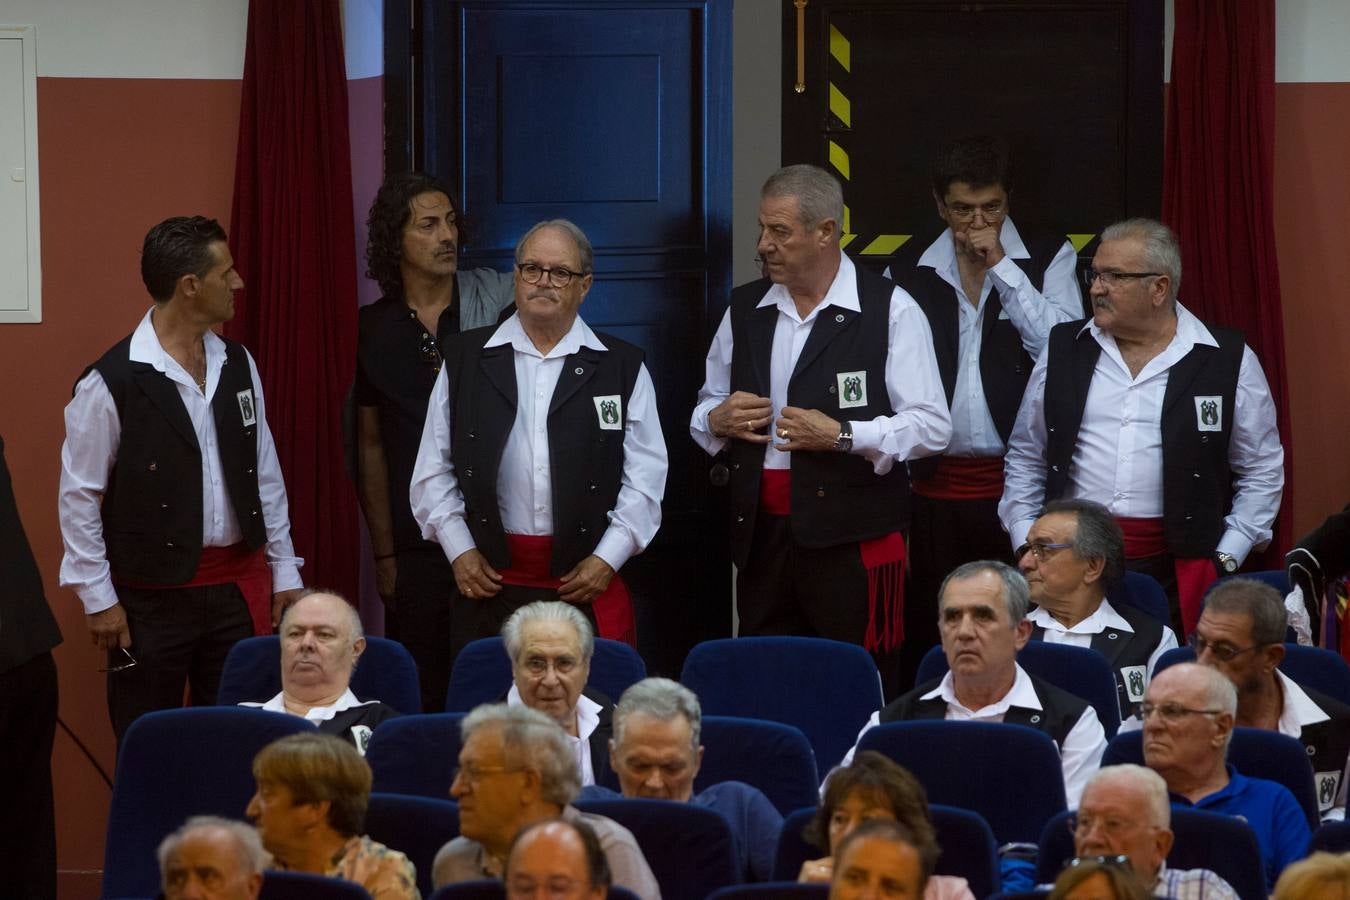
column 413, row 252
column 542, row 464
column 1241, row 634
column 820, row 384
column 1074, row 554
column 991, row 294
column 1165, row 421
column 1188, row 715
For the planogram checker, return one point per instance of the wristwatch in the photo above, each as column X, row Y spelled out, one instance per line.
column 844, row 443
column 1225, row 563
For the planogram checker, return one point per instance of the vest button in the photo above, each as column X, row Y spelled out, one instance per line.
column 482, row 520
column 582, row 529
column 154, row 466
column 168, row 544
column 468, row 471
column 592, row 488
column 820, row 492
column 740, row 519
column 473, row 435
column 1051, row 429
column 164, row 506
column 735, row 467
column 1054, row 468
column 248, row 471
column 1188, row 518
column 1195, row 474
column 254, row 513
column 832, row 389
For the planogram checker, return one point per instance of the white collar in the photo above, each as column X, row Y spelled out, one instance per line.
column 1190, row 331
column 941, row 254
column 1299, row 708
column 1102, row 618
column 588, row 713
column 1022, row 694
column 843, row 293
column 513, row 333
column 316, row 714
column 146, row 348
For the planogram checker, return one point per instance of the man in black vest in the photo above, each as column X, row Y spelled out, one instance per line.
column 982, row 608
column 1165, row 421
column 1241, row 633
column 542, row 463
column 173, row 509
column 991, row 295
column 413, row 253
column 1074, row 554
column 837, row 364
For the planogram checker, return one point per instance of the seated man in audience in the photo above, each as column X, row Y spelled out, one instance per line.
column 516, row 768
column 1241, row 634
column 1074, row 554
column 1125, row 812
column 982, row 608
column 555, row 852
column 310, row 809
column 1188, row 721
column 656, row 753
column 321, row 643
column 550, row 644
column 212, row 857
column 881, row 859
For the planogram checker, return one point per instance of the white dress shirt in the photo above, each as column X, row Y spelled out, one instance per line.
column 93, row 434
column 316, row 714
column 588, row 719
column 1078, row 758
column 1118, row 458
column 921, row 425
column 524, row 478
column 1102, row 618
column 1032, row 313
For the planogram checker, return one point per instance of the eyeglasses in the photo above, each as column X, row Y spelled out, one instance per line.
column 1118, row 861
column 561, row 887
column 431, row 352
column 1039, row 549
column 539, row 665
column 1172, row 713
column 1079, row 824
column 559, row 278
column 1110, row 280
column 1222, row 652
column 128, row 662
column 964, row 212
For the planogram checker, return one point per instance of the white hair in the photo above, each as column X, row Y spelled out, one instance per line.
column 661, row 699
column 547, row 611
column 247, row 845
column 1145, row 782
column 530, row 738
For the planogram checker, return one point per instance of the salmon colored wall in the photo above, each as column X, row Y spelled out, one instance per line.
column 1312, row 194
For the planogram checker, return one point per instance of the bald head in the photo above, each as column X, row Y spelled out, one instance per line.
column 212, row 857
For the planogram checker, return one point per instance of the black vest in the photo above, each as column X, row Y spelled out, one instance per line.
column 152, row 509
column 585, row 435
column 1005, row 365
column 836, row 497
column 1197, row 483
column 1059, row 712
column 1327, row 744
column 1128, row 654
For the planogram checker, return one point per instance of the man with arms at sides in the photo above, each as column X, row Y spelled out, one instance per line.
column 1188, row 721
column 1241, row 634
column 991, row 294
column 542, row 463
column 310, row 810
column 656, row 753
column 820, row 384
column 516, row 769
column 211, row 857
column 982, row 608
column 550, row 645
column 413, row 252
column 1074, row 554
column 172, row 502
column 881, row 859
column 1125, row 812
column 557, row 858
column 1162, row 419
column 321, row 643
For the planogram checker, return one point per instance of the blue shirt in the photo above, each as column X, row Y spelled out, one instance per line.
column 1272, row 812
column 754, row 821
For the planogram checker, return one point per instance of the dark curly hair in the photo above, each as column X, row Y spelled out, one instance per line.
column 979, row 161
column 388, row 217
column 177, row 247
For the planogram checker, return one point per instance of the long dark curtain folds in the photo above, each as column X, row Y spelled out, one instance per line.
column 1218, row 188
column 293, row 241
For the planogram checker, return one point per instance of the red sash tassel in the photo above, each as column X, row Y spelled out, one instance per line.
column 964, row 478
column 1144, row 538
column 531, row 555
column 246, row 569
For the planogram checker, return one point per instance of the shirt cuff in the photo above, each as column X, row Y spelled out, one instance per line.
column 615, row 547
column 1235, row 545
column 285, row 577
column 455, row 538
column 1018, row 532
column 98, row 596
column 1007, row 272
column 867, row 436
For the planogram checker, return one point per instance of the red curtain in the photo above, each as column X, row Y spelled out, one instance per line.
column 1218, row 188
column 294, row 243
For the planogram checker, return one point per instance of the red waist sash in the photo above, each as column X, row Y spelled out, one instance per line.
column 236, row 564
column 1144, row 538
column 531, row 555
column 964, row 478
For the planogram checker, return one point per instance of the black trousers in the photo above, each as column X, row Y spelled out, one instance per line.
column 420, row 620
column 28, row 703
column 472, row 618
column 943, row 535
column 178, row 636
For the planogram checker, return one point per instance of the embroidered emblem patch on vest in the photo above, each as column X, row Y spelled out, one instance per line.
column 361, row 737
column 852, row 389
column 608, row 412
column 1134, row 681
column 1209, row 413
column 247, row 411
column 1327, row 783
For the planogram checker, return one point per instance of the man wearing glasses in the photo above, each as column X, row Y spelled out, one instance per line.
column 991, row 295
column 413, row 252
column 1165, row 421
column 1241, row 634
column 542, row 464
column 1188, row 717
column 1074, row 554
